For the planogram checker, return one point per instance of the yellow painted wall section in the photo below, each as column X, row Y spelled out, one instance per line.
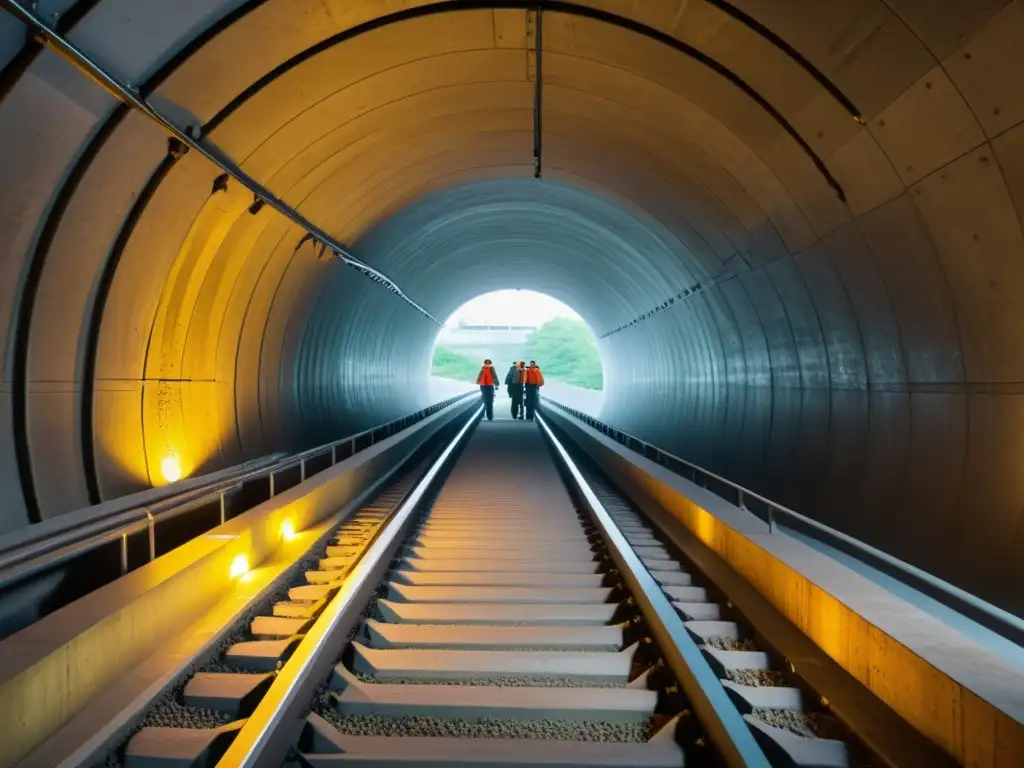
column 211, row 307
column 181, row 418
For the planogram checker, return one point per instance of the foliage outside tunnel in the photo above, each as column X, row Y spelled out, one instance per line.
column 565, row 349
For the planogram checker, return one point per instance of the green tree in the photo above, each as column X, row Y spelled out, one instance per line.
column 450, row 364
column 566, row 351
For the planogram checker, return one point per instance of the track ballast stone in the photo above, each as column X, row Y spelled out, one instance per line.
column 369, row 725
column 791, row 720
column 171, row 713
column 728, row 644
column 505, row 682
column 758, row 677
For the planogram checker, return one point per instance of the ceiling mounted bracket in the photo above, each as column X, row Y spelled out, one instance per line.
column 26, row 12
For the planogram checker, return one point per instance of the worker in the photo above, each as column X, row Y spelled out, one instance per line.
column 514, row 387
column 521, row 381
column 534, row 380
column 486, row 380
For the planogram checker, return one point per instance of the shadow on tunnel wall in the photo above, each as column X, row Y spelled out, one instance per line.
column 900, row 471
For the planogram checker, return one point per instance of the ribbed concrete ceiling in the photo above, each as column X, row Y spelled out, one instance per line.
column 823, row 307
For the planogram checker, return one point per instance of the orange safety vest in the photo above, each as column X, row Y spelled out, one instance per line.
column 534, row 378
column 486, row 377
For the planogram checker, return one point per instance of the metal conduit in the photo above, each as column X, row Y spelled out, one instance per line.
column 131, row 97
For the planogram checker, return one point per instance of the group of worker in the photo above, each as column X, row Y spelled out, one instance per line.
column 522, row 382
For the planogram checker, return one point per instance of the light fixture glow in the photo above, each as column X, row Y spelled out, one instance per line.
column 288, row 530
column 170, row 468
column 239, row 566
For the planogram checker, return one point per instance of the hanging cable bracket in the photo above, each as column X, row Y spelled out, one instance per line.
column 26, row 12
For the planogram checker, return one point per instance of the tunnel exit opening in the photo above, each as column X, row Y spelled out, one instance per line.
column 511, row 325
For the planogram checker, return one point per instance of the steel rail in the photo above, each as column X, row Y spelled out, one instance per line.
column 717, row 714
column 991, row 617
column 34, row 556
column 267, row 735
column 132, row 98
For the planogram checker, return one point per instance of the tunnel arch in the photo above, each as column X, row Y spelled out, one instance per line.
column 855, row 356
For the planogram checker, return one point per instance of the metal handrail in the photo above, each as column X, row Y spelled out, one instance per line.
column 40, row 555
column 987, row 615
column 173, row 493
column 300, row 458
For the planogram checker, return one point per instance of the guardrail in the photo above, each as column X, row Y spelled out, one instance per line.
column 780, row 518
column 34, row 557
column 124, row 512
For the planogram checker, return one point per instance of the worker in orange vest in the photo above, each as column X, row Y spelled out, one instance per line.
column 534, row 380
column 486, row 380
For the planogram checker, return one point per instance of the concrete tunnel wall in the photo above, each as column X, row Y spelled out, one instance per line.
column 857, row 357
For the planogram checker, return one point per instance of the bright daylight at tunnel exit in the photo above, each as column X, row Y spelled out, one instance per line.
column 479, row 383
column 516, row 326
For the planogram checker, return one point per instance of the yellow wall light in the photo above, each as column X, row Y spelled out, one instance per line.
column 239, row 566
column 287, row 530
column 170, row 468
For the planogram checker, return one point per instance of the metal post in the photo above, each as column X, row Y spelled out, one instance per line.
column 124, row 553
column 334, row 455
column 771, row 519
column 152, row 535
column 353, row 452
column 271, row 485
column 223, row 509
column 302, row 471
column 739, row 502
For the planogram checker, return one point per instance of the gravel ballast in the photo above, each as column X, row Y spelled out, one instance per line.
column 758, row 677
column 509, row 682
column 728, row 644
column 368, row 725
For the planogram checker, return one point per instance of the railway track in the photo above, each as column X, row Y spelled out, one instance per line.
column 492, row 612
column 792, row 728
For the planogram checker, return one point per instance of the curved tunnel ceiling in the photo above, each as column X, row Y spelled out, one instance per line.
column 824, row 308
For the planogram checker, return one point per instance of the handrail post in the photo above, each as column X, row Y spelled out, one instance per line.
column 302, row 471
column 739, row 500
column 334, row 454
column 272, row 485
column 223, row 508
column 152, row 535
column 124, row 553
column 771, row 519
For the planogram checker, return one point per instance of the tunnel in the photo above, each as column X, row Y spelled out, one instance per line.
column 794, row 227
